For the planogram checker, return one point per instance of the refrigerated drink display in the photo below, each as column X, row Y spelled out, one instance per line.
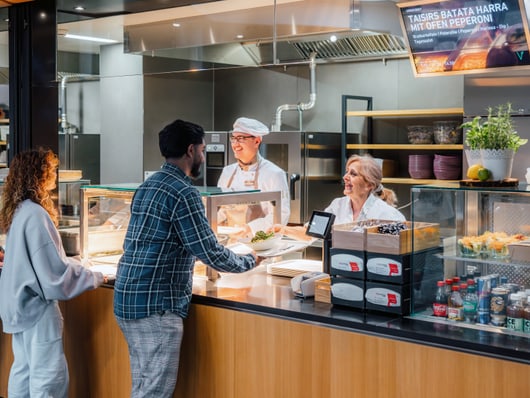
column 492, row 212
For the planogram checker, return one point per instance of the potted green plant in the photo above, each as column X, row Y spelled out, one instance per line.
column 496, row 139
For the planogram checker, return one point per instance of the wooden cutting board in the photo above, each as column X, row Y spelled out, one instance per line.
column 509, row 182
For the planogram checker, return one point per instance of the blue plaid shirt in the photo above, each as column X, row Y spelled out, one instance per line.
column 167, row 231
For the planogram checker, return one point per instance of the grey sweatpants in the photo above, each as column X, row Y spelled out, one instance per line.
column 39, row 369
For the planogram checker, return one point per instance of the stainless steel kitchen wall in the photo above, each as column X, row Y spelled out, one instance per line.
column 312, row 163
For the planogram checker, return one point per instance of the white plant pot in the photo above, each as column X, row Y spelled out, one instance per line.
column 498, row 161
column 473, row 156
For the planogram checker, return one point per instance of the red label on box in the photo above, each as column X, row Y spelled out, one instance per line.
column 392, row 300
column 393, row 269
column 354, row 266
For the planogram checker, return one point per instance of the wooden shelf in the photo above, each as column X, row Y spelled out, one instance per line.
column 412, row 147
column 414, row 181
column 409, row 112
column 4, row 121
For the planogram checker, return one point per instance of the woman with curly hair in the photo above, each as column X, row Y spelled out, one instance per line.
column 36, row 274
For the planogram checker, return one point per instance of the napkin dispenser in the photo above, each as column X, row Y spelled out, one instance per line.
column 303, row 285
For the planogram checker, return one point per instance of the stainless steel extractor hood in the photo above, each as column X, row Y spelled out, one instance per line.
column 336, row 30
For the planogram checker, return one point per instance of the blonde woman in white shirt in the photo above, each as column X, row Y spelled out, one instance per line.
column 364, row 197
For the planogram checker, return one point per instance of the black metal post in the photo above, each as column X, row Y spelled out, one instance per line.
column 33, row 90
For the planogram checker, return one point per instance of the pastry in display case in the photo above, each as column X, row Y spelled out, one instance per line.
column 482, row 268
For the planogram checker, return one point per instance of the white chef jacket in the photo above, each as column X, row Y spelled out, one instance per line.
column 265, row 176
column 373, row 209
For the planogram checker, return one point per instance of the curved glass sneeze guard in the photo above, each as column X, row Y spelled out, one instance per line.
column 105, row 213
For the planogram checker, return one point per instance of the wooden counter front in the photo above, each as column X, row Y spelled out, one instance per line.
column 238, row 354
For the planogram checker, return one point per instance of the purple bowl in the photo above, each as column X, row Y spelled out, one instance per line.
column 447, row 175
column 420, row 173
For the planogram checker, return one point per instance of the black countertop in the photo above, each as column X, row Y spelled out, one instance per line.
column 260, row 293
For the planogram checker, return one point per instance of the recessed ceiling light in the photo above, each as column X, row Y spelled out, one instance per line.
column 89, row 38
column 239, row 36
column 79, row 8
column 333, row 38
column 176, row 25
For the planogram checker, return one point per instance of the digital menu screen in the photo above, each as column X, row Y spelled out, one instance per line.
column 457, row 36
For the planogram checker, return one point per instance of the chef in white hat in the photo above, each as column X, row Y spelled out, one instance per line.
column 252, row 171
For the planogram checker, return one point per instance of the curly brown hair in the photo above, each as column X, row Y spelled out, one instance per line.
column 32, row 175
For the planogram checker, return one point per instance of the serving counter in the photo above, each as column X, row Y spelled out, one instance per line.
column 247, row 335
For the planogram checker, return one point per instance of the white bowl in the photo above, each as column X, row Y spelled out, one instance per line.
column 262, row 244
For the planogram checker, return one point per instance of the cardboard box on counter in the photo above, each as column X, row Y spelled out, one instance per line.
column 353, row 235
column 345, row 237
column 425, row 235
column 323, row 290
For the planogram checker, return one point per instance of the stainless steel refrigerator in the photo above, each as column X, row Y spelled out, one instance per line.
column 313, row 164
column 81, row 152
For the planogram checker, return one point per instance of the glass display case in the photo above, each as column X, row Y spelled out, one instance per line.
column 68, row 194
column 105, row 213
column 484, row 242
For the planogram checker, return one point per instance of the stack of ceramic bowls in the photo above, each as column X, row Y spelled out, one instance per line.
column 420, row 166
column 447, row 167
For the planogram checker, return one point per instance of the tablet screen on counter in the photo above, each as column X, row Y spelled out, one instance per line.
column 320, row 224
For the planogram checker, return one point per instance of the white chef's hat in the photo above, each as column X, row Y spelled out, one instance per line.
column 250, row 126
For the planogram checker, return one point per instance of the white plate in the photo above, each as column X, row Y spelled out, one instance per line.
column 285, row 247
column 229, row 230
column 294, row 267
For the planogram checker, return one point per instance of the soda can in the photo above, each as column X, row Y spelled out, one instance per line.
column 484, row 302
column 483, row 316
column 483, row 285
column 498, row 303
column 494, row 280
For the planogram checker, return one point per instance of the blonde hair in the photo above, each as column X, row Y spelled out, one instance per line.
column 371, row 172
column 29, row 177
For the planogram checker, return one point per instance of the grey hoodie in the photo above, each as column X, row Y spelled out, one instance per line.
column 36, row 270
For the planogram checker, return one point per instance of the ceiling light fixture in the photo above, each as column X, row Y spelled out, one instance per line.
column 79, row 8
column 176, row 25
column 90, row 38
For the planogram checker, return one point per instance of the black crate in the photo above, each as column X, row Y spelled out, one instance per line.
column 387, row 297
column 390, row 268
column 348, row 263
column 347, row 292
